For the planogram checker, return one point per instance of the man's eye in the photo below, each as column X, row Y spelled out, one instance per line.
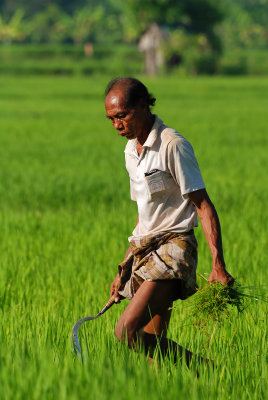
column 121, row 115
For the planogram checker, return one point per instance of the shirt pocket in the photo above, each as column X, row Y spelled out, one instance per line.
column 156, row 184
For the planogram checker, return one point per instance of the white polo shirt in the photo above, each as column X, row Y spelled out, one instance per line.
column 160, row 179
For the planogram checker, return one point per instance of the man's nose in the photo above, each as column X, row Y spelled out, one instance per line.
column 117, row 124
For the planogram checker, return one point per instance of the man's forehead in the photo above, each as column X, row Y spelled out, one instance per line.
column 116, row 98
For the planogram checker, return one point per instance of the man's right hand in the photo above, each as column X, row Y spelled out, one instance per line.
column 114, row 289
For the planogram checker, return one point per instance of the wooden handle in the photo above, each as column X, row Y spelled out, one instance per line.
column 110, row 302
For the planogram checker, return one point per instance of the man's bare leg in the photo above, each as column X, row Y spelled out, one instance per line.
column 146, row 319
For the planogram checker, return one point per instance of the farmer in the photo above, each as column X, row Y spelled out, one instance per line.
column 165, row 181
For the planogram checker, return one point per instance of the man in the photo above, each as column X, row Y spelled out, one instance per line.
column 165, row 181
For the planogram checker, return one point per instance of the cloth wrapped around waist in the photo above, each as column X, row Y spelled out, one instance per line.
column 168, row 255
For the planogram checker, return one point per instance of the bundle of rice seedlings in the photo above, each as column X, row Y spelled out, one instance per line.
column 215, row 301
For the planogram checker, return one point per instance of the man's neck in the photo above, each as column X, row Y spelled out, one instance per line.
column 147, row 129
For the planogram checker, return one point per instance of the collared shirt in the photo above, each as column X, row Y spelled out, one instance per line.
column 160, row 179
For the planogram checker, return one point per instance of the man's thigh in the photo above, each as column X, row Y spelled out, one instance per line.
column 152, row 299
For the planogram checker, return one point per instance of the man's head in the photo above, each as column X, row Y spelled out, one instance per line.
column 128, row 105
column 134, row 91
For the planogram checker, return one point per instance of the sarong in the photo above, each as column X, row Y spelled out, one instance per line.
column 168, row 255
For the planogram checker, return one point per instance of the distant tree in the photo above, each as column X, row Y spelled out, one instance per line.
column 193, row 15
column 51, row 25
column 86, row 23
column 65, row 20
column 98, row 22
column 256, row 9
column 13, row 28
column 32, row 7
column 245, row 24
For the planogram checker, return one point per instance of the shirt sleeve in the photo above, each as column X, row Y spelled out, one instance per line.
column 183, row 166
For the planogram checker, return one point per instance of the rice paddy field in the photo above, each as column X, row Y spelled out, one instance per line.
column 65, row 216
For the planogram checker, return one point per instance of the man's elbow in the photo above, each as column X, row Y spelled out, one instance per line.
column 200, row 199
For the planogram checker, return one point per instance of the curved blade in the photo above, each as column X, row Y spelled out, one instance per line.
column 75, row 340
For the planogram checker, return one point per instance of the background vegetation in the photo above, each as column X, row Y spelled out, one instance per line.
column 202, row 36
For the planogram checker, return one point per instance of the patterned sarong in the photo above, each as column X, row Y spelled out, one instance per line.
column 167, row 255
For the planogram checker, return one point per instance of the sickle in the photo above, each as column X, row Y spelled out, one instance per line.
column 76, row 327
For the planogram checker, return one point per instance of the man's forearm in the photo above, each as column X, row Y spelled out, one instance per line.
column 212, row 230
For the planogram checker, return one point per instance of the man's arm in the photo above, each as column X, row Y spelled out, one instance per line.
column 114, row 285
column 212, row 230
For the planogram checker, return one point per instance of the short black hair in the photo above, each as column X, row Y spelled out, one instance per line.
column 135, row 91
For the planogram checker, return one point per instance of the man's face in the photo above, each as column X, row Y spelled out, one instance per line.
column 129, row 122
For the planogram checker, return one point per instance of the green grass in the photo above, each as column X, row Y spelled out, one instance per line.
column 65, row 216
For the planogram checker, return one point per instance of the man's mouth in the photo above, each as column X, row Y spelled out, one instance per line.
column 126, row 134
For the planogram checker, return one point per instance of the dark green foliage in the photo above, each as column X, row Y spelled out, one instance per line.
column 207, row 64
column 204, row 14
column 257, row 9
column 60, row 21
column 194, row 15
column 31, row 7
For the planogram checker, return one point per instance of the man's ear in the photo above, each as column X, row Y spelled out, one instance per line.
column 143, row 105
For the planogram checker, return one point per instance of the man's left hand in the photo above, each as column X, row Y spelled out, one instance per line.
column 221, row 276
